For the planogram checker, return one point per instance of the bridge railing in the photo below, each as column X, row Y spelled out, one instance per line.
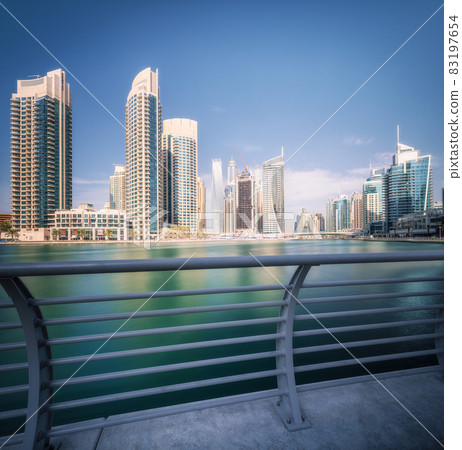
column 187, row 341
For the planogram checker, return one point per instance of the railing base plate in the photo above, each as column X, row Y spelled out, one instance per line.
column 288, row 420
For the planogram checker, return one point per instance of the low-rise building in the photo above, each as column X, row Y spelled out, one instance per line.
column 421, row 224
column 85, row 222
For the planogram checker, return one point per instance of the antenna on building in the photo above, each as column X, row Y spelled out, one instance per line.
column 397, row 138
column 282, row 150
column 370, row 168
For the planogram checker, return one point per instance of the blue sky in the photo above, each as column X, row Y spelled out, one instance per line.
column 256, row 75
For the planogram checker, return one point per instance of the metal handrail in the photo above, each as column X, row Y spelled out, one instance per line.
column 279, row 323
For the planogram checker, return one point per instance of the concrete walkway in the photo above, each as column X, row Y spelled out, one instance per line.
column 355, row 416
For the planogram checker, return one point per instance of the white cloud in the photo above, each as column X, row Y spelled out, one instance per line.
column 311, row 189
column 356, row 141
column 217, row 109
column 383, row 159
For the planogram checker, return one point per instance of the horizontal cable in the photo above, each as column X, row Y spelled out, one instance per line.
column 366, row 343
column 10, row 270
column 166, row 368
column 14, row 366
column 10, row 325
column 361, row 312
column 370, row 281
column 121, row 419
column 14, row 389
column 373, row 326
column 159, row 294
column 164, row 348
column 225, row 290
column 6, row 305
column 351, row 298
column 4, row 415
column 162, row 389
column 158, row 313
column 13, row 346
column 369, row 359
column 157, row 331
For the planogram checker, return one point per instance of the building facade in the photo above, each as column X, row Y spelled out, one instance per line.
column 409, row 184
column 217, row 198
column 41, row 150
column 85, row 222
column 201, row 204
column 144, row 169
column 273, row 195
column 117, row 188
column 356, row 212
column 179, row 146
column 375, row 202
column 245, row 212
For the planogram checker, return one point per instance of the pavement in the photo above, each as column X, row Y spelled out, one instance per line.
column 400, row 412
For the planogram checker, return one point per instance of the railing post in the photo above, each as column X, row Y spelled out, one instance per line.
column 439, row 341
column 40, row 374
column 288, row 405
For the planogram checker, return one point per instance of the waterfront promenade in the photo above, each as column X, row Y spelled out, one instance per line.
column 362, row 415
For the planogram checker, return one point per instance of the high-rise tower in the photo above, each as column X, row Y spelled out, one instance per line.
column 144, row 169
column 179, row 144
column 41, row 150
column 117, row 188
column 217, row 200
column 273, row 195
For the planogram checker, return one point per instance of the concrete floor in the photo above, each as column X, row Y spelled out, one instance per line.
column 355, row 416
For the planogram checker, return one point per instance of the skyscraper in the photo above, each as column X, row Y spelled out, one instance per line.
column 230, row 199
column 374, row 202
column 143, row 119
column 201, row 204
column 41, row 150
column 117, row 188
column 409, row 184
column 356, row 211
column 179, row 145
column 217, row 200
column 273, row 195
column 245, row 212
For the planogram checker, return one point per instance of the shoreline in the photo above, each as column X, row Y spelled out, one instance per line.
column 218, row 241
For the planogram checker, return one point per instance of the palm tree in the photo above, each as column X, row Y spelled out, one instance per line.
column 54, row 234
column 8, row 229
column 109, row 234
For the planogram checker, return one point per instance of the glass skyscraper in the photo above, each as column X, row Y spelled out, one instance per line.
column 41, row 150
column 409, row 184
column 144, row 170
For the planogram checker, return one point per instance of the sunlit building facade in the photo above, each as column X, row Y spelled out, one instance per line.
column 273, row 195
column 41, row 150
column 217, row 197
column 144, row 171
column 374, row 202
column 117, row 188
column 409, row 184
column 179, row 145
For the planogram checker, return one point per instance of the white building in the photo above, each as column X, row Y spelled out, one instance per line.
column 144, row 169
column 179, row 145
column 41, row 150
column 217, row 199
column 273, row 195
column 117, row 188
column 85, row 222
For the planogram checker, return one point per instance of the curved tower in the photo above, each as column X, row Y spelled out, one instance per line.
column 144, row 174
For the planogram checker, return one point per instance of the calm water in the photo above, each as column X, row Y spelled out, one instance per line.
column 143, row 282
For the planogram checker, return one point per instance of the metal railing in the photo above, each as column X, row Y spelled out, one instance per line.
column 274, row 346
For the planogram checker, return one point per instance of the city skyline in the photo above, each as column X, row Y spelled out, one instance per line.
column 338, row 156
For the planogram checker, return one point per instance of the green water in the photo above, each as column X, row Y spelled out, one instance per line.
column 84, row 285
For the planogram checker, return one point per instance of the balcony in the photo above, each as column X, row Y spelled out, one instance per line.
column 304, row 383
